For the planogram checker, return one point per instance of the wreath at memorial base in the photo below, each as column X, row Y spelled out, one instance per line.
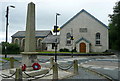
column 23, row 67
column 36, row 66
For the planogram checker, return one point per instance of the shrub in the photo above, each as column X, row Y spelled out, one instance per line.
column 74, row 50
column 61, row 50
column 10, row 48
column 13, row 49
column 64, row 50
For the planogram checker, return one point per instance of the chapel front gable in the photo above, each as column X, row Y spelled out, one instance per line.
column 85, row 25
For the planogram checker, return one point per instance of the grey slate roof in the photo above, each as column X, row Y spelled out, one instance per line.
column 81, row 40
column 41, row 33
column 51, row 39
column 86, row 13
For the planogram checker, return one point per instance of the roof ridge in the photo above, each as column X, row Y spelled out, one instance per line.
column 42, row 32
column 36, row 30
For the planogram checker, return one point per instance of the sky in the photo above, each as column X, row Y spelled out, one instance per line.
column 46, row 11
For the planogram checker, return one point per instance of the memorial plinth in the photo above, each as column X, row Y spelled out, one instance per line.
column 29, row 58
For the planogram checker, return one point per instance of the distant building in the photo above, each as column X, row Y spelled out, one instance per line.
column 19, row 38
column 50, row 41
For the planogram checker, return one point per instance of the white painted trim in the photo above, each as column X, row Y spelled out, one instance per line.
column 38, row 41
column 22, row 42
column 87, row 46
column 18, row 41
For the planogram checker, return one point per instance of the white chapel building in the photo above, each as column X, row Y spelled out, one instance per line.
column 90, row 34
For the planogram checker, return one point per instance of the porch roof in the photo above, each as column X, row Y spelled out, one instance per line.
column 82, row 38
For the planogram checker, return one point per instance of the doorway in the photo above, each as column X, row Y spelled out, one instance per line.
column 83, row 47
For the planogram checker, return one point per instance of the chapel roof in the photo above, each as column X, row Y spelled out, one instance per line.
column 38, row 33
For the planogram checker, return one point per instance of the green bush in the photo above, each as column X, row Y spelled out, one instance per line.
column 74, row 50
column 10, row 48
column 64, row 50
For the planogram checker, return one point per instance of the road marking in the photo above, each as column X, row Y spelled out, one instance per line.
column 109, row 68
column 95, row 67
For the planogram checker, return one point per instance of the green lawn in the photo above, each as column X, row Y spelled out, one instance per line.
column 8, row 59
column 1, row 61
column 49, row 52
column 53, row 52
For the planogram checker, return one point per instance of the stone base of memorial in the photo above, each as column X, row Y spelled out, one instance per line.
column 28, row 58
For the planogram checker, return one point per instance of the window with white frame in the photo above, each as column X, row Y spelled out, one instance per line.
column 98, row 39
column 23, row 42
column 68, row 41
column 39, row 42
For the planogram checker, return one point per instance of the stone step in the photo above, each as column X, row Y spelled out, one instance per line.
column 31, row 72
column 29, row 69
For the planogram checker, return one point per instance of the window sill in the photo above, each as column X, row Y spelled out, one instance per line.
column 98, row 45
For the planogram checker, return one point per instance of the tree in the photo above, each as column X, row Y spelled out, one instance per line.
column 114, row 32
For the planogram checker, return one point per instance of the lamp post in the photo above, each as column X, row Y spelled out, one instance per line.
column 7, row 23
column 72, row 45
column 72, row 38
column 56, row 29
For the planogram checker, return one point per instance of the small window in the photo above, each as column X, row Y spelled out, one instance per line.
column 68, row 35
column 83, row 30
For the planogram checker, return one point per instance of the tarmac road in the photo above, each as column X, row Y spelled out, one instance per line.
column 105, row 65
column 108, row 66
column 113, row 73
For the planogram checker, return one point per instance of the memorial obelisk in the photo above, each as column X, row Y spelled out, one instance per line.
column 29, row 55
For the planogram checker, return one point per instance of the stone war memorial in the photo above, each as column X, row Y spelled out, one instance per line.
column 30, row 68
column 29, row 55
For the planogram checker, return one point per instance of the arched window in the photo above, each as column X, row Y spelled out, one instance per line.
column 68, row 35
column 16, row 41
column 97, row 35
column 68, row 41
column 23, row 42
column 98, row 39
column 39, row 42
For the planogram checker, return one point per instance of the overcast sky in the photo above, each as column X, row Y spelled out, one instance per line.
column 46, row 10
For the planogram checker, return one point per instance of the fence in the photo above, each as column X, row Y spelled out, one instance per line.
column 54, row 66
